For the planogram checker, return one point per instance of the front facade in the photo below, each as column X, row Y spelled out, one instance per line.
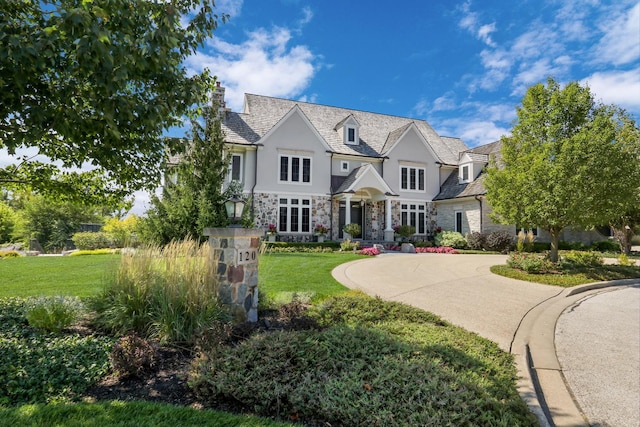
column 306, row 165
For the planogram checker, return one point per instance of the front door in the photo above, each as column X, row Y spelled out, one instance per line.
column 356, row 217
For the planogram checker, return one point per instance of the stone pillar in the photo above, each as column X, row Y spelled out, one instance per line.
column 388, row 230
column 235, row 251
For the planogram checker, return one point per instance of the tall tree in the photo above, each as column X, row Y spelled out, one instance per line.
column 568, row 162
column 193, row 196
column 98, row 82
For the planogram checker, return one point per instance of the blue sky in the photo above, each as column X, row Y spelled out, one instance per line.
column 462, row 66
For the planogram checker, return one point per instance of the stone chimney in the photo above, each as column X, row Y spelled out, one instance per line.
column 217, row 100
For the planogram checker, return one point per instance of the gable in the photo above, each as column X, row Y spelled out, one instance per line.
column 409, row 143
column 294, row 131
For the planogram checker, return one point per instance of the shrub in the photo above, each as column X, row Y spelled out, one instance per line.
column 37, row 367
column 499, row 241
column 353, row 229
column 531, row 263
column 606, row 246
column 438, row 250
column 406, row 230
column 122, row 232
column 451, row 238
column 571, row 246
column 410, row 369
column 89, row 241
column 9, row 254
column 52, row 314
column 369, row 251
column 8, row 219
column 476, row 240
column 582, row 258
column 133, row 356
column 348, row 245
column 167, row 293
column 624, row 260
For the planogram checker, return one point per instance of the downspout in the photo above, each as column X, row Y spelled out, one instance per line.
column 479, row 199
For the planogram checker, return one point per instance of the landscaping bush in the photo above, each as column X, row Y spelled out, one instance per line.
column 353, row 229
column 37, row 367
column 411, row 369
column 476, row 240
column 89, row 241
column 438, row 250
column 572, row 246
column 166, row 293
column 531, row 263
column 348, row 245
column 606, row 246
column 302, row 247
column 9, row 254
column 133, row 356
column 52, row 314
column 499, row 241
column 452, row 239
column 369, row 251
column 582, row 258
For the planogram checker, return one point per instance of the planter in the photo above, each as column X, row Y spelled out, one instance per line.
column 320, row 238
column 271, row 237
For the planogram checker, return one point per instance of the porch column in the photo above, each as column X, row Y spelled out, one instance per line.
column 347, row 209
column 388, row 231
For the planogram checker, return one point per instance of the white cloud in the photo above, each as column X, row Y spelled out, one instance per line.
column 621, row 88
column 470, row 21
column 264, row 64
column 232, row 7
column 473, row 131
column 444, row 103
column 620, row 43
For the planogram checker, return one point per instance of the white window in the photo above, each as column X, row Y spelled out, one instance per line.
column 458, row 215
column 414, row 214
column 294, row 215
column 412, row 178
column 351, row 135
column 235, row 168
column 344, row 166
column 295, row 169
column 465, row 173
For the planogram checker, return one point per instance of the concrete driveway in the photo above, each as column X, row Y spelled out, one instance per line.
column 519, row 316
column 459, row 288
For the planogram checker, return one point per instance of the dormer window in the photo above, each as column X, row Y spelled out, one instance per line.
column 348, row 130
column 351, row 135
column 465, row 173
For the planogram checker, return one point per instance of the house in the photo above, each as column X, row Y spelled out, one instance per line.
column 304, row 165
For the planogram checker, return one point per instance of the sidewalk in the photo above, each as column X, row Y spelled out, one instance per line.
column 519, row 316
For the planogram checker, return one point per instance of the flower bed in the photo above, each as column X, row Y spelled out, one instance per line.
column 428, row 250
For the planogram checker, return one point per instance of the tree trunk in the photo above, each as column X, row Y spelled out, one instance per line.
column 555, row 234
column 623, row 236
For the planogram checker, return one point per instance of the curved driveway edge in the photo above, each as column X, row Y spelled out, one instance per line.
column 519, row 316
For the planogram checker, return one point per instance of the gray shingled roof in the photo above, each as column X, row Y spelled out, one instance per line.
column 451, row 189
column 262, row 113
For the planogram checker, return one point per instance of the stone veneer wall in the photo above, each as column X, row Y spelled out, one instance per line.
column 237, row 283
column 266, row 212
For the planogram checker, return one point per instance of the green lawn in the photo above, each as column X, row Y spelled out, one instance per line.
column 281, row 274
column 569, row 278
column 124, row 414
column 44, row 275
